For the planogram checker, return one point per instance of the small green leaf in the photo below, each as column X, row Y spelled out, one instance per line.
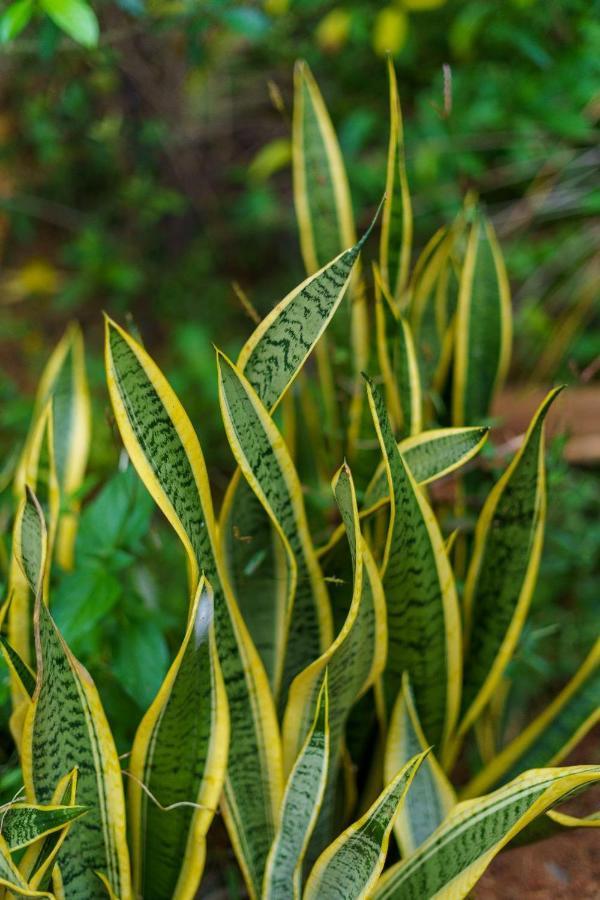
column 75, row 18
column 14, row 19
column 23, row 823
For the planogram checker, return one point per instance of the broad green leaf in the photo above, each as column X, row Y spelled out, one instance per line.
column 397, row 221
column 262, row 456
column 180, row 755
column 66, row 728
column 431, row 796
column 483, row 328
column 456, row 855
column 15, row 18
column 430, row 455
column 300, row 808
column 353, row 661
column 548, row 739
column 351, row 866
column 76, row 18
column 503, row 569
column 164, row 448
column 424, row 630
column 23, row 823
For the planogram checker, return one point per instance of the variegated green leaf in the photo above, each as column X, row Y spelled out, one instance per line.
column 353, row 661
column 456, row 855
column 265, row 462
column 350, row 867
column 397, row 221
column 65, row 729
column 424, row 632
column 300, row 808
column 11, row 878
column 18, row 667
column 504, row 567
column 548, row 739
column 179, row 754
column 164, row 448
column 23, row 823
column 483, row 328
column 31, row 540
column 431, row 796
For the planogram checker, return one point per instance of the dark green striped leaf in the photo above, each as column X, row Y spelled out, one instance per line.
column 22, row 823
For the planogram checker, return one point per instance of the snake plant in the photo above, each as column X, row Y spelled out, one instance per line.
column 337, row 682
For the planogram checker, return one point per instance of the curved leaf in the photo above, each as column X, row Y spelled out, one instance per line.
column 164, row 449
column 483, row 328
column 424, row 632
column 265, row 462
column 23, row 823
column 351, row 865
column 504, row 566
column 300, row 808
column 180, row 754
column 453, row 859
column 431, row 796
column 550, row 736
column 11, row 878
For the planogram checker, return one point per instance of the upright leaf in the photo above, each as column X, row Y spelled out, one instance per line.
column 397, row 222
column 11, row 878
column 265, row 462
column 300, row 808
column 350, row 867
column 31, row 540
column 483, row 328
column 164, row 448
column 424, row 635
column 457, row 854
column 504, row 567
column 180, row 754
column 431, row 796
column 552, row 734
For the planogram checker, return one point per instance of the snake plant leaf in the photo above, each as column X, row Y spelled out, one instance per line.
column 66, row 728
column 456, row 855
column 350, row 867
column 553, row 823
column 430, row 455
column 549, row 738
column 277, row 349
column 504, row 566
column 18, row 667
column 424, row 630
column 353, row 661
column 397, row 219
column 64, row 382
column 396, row 351
column 483, row 328
column 24, row 823
column 262, row 456
column 431, row 796
column 164, row 449
column 31, row 540
column 11, row 878
column 180, row 755
column 37, row 864
column 300, row 808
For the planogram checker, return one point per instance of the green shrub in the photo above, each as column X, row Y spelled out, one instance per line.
column 322, row 697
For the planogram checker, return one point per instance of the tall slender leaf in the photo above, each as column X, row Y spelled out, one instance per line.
column 266, row 464
column 456, row 855
column 424, row 634
column 164, row 448
column 504, row 567
column 431, row 796
column 300, row 808
column 350, row 867
column 180, row 756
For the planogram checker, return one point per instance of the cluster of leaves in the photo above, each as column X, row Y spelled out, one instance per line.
column 320, row 720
